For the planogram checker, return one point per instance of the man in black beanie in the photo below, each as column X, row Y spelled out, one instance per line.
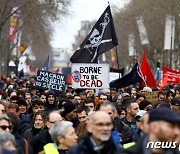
column 145, row 105
column 70, row 113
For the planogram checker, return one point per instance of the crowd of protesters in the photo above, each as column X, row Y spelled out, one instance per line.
column 86, row 121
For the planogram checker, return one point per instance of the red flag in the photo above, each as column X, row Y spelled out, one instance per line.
column 165, row 81
column 147, row 73
column 173, row 76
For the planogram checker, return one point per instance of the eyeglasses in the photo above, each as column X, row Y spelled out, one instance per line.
column 103, row 99
column 109, row 124
column 53, row 122
column 4, row 127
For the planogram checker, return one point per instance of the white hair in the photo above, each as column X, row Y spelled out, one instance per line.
column 6, row 136
column 59, row 129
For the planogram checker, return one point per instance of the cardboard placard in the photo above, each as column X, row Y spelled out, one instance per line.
column 151, row 96
column 90, row 75
column 50, row 80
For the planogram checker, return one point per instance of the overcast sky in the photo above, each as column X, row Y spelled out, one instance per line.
column 65, row 31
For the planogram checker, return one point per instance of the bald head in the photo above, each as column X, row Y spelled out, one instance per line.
column 100, row 126
column 99, row 115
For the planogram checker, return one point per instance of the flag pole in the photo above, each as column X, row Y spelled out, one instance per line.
column 117, row 59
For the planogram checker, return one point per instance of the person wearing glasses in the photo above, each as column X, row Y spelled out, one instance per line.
column 103, row 98
column 119, row 126
column 5, row 123
column 44, row 137
column 98, row 139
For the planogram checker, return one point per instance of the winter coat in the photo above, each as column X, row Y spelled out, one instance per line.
column 123, row 129
column 40, row 140
column 31, row 132
column 21, row 145
column 24, row 124
column 85, row 146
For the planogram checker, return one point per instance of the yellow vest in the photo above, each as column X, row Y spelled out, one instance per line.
column 128, row 145
column 50, row 148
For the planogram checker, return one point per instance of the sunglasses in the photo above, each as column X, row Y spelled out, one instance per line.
column 4, row 127
column 103, row 99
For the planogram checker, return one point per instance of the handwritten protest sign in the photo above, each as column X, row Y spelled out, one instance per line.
column 50, row 80
column 90, row 75
column 151, row 96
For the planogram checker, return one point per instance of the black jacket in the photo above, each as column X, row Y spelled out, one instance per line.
column 50, row 107
column 31, row 132
column 20, row 143
column 85, row 146
column 123, row 129
column 24, row 124
column 40, row 140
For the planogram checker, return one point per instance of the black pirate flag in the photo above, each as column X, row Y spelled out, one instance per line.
column 101, row 39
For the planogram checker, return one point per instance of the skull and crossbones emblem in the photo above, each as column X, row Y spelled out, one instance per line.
column 95, row 39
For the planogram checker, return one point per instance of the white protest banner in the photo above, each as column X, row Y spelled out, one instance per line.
column 86, row 75
column 113, row 76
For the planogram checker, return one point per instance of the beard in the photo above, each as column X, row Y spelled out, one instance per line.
column 162, row 136
column 103, row 137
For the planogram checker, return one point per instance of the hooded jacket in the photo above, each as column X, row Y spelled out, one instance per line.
column 50, row 107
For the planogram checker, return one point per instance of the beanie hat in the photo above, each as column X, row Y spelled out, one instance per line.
column 21, row 102
column 165, row 114
column 34, row 98
column 143, row 104
column 68, row 107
